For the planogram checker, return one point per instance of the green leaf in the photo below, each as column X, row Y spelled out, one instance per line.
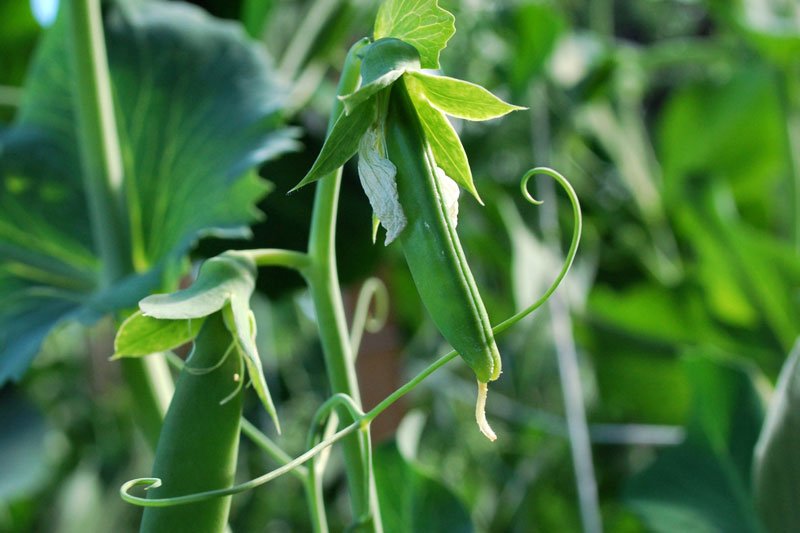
column 141, row 335
column 342, row 142
column 704, row 483
column 461, row 99
column 776, row 469
column 224, row 283
column 413, row 500
column 443, row 139
column 365, row 92
column 421, row 23
column 219, row 278
column 188, row 162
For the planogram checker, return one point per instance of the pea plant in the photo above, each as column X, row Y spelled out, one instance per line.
column 150, row 190
column 392, row 114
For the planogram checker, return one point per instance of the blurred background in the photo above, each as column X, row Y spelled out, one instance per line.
column 630, row 402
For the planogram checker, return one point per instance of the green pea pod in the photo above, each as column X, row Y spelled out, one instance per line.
column 431, row 245
column 197, row 448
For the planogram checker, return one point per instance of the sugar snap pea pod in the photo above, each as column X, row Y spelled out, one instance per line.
column 198, row 445
column 431, row 245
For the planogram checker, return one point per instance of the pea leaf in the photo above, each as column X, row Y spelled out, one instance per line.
column 141, row 335
column 342, row 142
column 188, row 157
column 421, row 23
column 445, row 144
column 776, row 470
column 460, row 98
column 224, row 284
column 365, row 92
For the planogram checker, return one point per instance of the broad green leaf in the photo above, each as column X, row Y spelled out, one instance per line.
column 188, row 160
column 704, row 483
column 421, row 23
column 413, row 500
column 461, row 99
column 443, row 139
column 142, row 335
column 342, row 142
column 776, row 469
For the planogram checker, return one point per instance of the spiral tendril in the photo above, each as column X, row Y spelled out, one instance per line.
column 373, row 295
column 361, row 419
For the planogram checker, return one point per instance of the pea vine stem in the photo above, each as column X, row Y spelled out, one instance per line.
column 352, row 409
column 323, row 282
column 103, row 181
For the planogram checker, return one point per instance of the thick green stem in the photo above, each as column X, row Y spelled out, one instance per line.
column 101, row 158
column 323, row 282
column 101, row 162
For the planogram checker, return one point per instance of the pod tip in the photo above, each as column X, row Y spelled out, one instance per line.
column 480, row 412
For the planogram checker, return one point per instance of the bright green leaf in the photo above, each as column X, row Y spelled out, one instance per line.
column 776, row 469
column 461, row 99
column 143, row 335
column 342, row 142
column 421, row 23
column 445, row 144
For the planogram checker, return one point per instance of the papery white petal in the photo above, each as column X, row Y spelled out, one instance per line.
column 450, row 193
column 377, row 175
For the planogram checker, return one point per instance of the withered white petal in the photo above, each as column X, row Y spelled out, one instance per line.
column 450, row 194
column 377, row 175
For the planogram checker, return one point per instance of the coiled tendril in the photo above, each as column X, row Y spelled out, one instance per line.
column 362, row 420
column 374, row 295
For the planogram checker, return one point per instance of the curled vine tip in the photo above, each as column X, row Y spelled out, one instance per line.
column 523, row 185
column 375, row 296
column 146, row 482
column 480, row 412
